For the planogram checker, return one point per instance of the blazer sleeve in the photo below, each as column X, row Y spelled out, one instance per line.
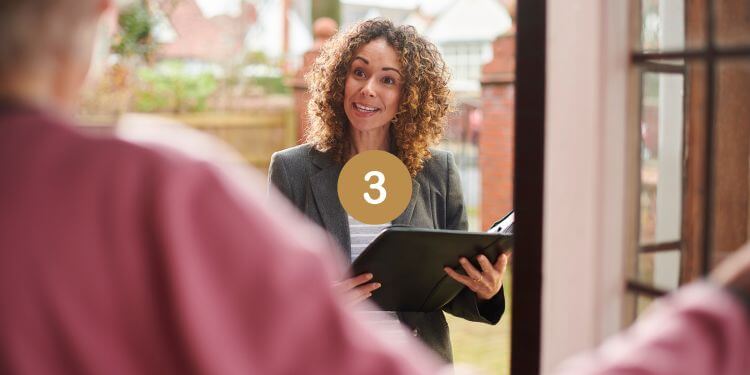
column 466, row 305
column 278, row 177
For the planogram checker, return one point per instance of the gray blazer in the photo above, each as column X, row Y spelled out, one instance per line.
column 309, row 179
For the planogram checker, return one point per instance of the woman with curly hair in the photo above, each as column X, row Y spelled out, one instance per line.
column 384, row 87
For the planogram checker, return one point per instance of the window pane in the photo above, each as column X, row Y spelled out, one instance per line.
column 660, row 270
column 634, row 305
column 629, row 307
column 662, row 24
column 732, row 22
column 669, row 25
column 662, row 138
column 642, row 303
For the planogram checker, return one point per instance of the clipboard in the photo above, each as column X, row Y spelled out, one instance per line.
column 409, row 262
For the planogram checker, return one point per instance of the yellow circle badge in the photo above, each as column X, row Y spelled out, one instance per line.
column 374, row 187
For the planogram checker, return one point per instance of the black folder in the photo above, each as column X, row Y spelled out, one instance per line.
column 409, row 262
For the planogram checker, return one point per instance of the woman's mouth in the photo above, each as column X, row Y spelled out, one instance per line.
column 364, row 109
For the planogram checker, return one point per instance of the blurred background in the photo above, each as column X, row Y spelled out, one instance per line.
column 227, row 76
column 231, row 71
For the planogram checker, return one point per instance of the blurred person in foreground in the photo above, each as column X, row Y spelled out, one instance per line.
column 701, row 329
column 120, row 259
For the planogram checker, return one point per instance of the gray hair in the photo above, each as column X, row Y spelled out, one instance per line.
column 33, row 30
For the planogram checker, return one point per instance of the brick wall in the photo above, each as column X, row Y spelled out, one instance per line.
column 497, row 137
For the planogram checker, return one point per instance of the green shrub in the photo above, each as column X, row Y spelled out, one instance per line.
column 271, row 85
column 170, row 87
column 134, row 35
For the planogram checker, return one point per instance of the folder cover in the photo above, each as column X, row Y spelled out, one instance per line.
column 409, row 262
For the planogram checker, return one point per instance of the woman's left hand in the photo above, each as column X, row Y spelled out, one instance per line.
column 485, row 283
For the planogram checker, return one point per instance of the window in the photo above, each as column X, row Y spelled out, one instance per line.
column 528, row 186
column 691, row 74
column 465, row 60
column 692, row 58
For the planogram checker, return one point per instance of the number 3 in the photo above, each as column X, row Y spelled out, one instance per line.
column 376, row 186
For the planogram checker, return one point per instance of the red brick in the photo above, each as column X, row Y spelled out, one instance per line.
column 496, row 139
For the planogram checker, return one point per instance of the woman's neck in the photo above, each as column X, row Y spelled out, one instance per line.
column 376, row 139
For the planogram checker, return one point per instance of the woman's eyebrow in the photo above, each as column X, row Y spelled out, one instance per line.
column 393, row 69
column 368, row 63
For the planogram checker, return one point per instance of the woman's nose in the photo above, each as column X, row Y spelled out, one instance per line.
column 368, row 90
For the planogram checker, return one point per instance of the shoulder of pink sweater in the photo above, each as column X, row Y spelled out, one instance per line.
column 700, row 329
column 704, row 295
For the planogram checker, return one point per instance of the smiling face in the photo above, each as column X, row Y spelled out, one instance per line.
column 372, row 92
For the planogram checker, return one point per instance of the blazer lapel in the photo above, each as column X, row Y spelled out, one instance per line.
column 325, row 191
column 406, row 216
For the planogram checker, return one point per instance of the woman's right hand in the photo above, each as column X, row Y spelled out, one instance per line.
column 356, row 289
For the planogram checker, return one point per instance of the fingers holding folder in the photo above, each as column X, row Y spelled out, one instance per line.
column 486, row 281
column 357, row 288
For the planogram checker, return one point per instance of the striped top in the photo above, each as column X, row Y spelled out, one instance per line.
column 385, row 322
column 362, row 234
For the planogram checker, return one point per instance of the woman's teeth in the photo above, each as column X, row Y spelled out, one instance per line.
column 365, row 108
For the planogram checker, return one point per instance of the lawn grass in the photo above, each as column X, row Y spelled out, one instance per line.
column 484, row 347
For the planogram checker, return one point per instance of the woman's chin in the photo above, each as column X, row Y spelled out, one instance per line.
column 368, row 127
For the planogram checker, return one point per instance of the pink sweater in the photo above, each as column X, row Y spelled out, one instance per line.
column 700, row 330
column 117, row 259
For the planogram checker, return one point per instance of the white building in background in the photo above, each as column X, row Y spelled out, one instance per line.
column 462, row 29
column 267, row 33
column 356, row 10
column 464, row 32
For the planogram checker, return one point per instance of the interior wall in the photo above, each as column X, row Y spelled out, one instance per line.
column 589, row 206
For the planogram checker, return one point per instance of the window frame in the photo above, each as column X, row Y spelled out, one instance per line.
column 528, row 187
column 696, row 240
column 531, row 86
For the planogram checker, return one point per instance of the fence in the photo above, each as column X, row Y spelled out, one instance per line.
column 255, row 135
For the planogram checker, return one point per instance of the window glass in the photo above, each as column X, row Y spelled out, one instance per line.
column 642, row 303
column 660, row 270
column 661, row 153
column 663, row 25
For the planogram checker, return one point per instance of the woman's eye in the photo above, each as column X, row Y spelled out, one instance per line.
column 359, row 73
column 389, row 81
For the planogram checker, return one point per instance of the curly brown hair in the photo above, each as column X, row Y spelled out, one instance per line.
column 425, row 96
